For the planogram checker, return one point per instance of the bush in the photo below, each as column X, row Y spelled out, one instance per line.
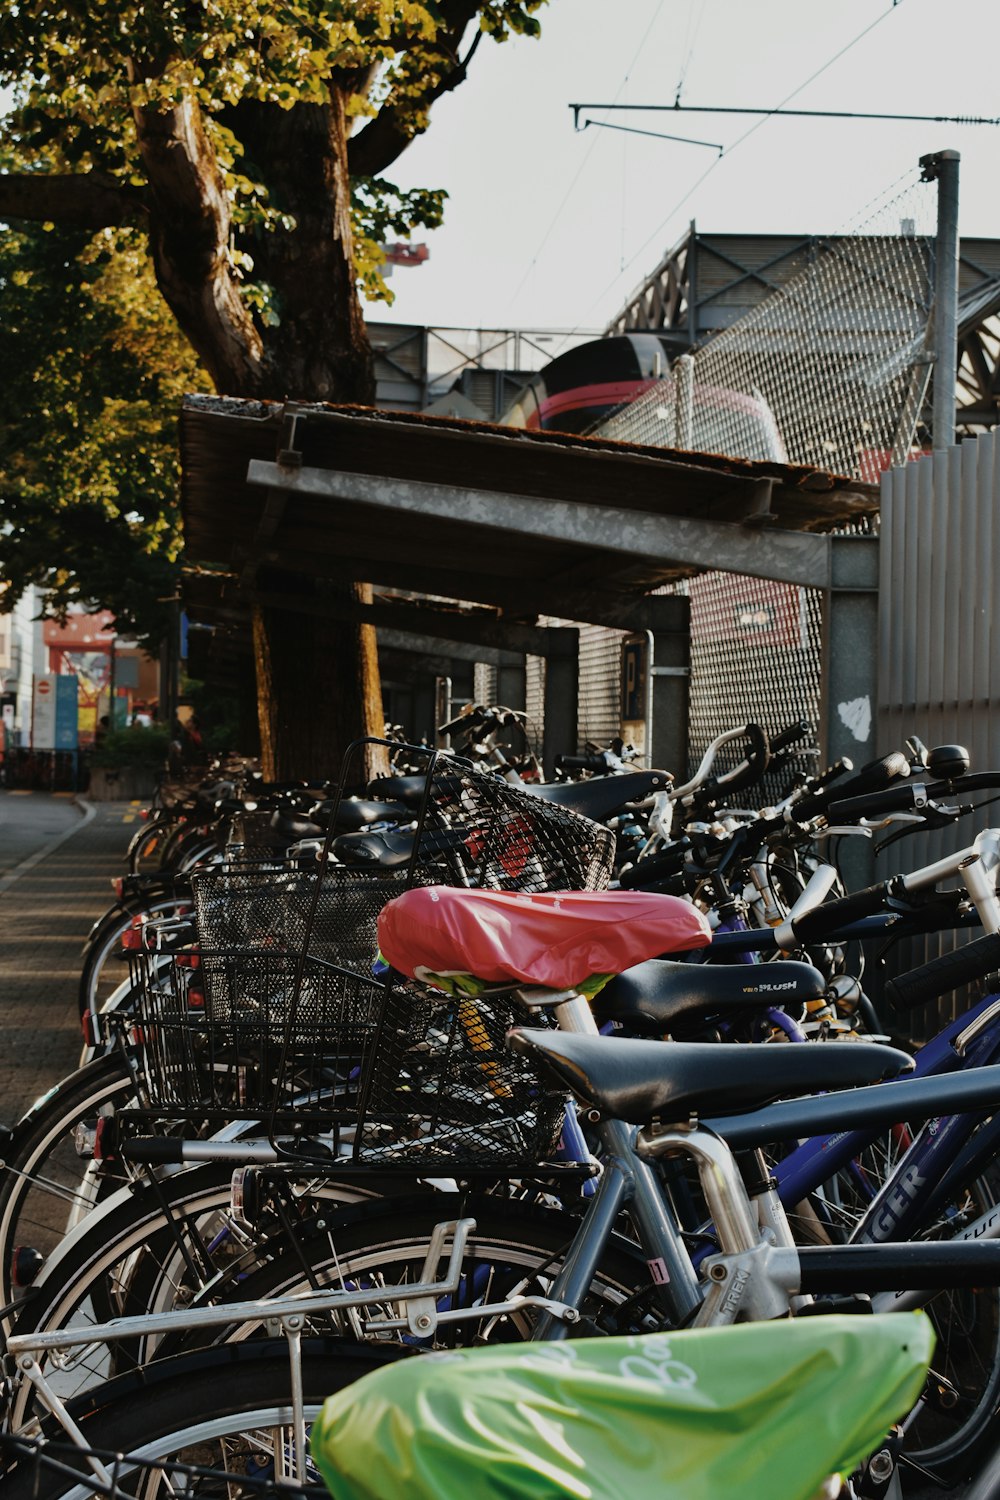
column 140, row 745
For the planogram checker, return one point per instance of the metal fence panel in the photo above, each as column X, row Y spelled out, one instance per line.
column 939, row 642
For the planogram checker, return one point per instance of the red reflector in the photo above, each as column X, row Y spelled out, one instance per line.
column 87, row 1027
column 196, row 999
column 105, row 1139
column 188, row 960
column 145, row 814
column 118, row 886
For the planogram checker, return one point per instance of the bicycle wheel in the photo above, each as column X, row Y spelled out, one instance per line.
column 153, row 1247
column 949, row 1425
column 221, row 1425
column 145, row 849
column 103, row 970
column 44, row 1179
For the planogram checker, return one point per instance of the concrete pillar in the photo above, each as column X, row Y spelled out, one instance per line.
column 671, row 685
column 850, row 673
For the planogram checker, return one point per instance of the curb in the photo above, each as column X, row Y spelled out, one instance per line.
column 87, row 810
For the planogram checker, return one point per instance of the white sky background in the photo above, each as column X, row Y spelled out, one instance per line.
column 545, row 228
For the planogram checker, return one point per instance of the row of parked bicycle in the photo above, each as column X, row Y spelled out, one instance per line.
column 456, row 1059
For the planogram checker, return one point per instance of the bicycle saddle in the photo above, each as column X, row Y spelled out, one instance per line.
column 357, row 812
column 552, row 939
column 652, row 997
column 638, row 1081
column 602, row 795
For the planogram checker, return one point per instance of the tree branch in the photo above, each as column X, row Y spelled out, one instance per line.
column 83, row 200
column 378, row 144
column 190, row 222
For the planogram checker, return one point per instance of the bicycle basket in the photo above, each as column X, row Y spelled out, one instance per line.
column 443, row 1089
column 248, row 908
column 216, row 1039
column 227, row 1026
column 479, row 830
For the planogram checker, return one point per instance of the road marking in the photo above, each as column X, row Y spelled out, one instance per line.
column 89, row 811
column 128, row 817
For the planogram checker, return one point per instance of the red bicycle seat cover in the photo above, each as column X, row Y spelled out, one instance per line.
column 553, row 939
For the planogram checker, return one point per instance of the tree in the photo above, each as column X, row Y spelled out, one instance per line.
column 224, row 130
column 94, row 370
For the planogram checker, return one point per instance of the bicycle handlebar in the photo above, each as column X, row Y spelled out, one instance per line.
column 705, row 787
column 793, row 735
column 813, row 925
column 942, row 975
column 595, row 763
column 872, row 778
column 909, row 797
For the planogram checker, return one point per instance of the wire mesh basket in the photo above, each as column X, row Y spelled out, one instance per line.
column 253, row 908
column 481, row 831
column 246, row 1020
column 443, row 1090
column 217, row 1041
column 279, row 1013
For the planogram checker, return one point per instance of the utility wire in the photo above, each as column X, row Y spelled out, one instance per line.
column 579, row 172
column 739, row 141
column 734, row 109
column 657, row 135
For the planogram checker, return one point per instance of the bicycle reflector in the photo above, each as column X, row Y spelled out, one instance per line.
column 118, row 886
column 133, row 936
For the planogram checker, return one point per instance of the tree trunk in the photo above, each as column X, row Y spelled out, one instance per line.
column 317, row 689
column 318, row 685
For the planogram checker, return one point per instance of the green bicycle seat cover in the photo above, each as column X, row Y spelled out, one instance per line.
column 755, row 1409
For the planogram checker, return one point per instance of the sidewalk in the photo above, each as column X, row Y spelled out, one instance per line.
column 45, row 914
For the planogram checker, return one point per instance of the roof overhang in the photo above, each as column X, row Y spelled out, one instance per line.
column 519, row 524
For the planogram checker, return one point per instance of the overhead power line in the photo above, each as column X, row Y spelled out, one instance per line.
column 733, row 109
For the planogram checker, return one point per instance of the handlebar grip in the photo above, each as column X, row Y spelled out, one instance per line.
column 581, row 763
column 894, row 799
column 793, row 735
column 873, row 777
column 758, row 757
column 942, row 975
column 814, row 925
column 646, row 872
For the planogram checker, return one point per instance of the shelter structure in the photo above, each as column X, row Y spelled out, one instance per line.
column 470, row 533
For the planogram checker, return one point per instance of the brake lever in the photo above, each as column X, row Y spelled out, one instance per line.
column 940, row 817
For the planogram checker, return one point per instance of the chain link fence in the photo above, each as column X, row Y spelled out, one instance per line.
column 831, row 371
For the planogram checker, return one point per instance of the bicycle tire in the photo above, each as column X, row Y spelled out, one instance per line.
column 41, row 1166
column 188, row 1409
column 150, row 1247
column 145, row 850
column 99, row 975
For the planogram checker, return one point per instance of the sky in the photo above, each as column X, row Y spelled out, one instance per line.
column 550, row 228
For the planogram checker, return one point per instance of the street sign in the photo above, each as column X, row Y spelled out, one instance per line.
column 67, row 715
column 54, row 712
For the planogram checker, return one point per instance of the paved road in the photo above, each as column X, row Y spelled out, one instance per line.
column 31, row 820
column 45, row 914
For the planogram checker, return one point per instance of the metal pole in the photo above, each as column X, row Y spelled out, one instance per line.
column 943, row 167
column 684, row 401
